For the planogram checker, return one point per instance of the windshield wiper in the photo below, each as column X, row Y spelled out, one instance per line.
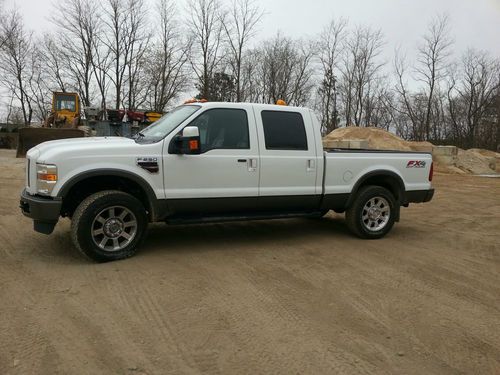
column 139, row 135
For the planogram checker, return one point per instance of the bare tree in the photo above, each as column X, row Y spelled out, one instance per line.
column 15, row 61
column 39, row 83
column 239, row 26
column 379, row 103
column 408, row 117
column 114, row 39
column 101, row 64
column 138, row 38
column 330, row 43
column 360, row 67
column 285, row 71
column 126, row 38
column 54, row 59
column 2, row 24
column 167, row 59
column 496, row 111
column 249, row 76
column 471, row 94
column 79, row 24
column 432, row 62
column 206, row 29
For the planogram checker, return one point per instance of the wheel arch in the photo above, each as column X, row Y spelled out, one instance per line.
column 84, row 184
column 384, row 178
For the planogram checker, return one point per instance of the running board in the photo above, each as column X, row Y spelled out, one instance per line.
column 239, row 217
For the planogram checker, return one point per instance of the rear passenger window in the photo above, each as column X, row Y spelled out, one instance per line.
column 222, row 128
column 284, row 130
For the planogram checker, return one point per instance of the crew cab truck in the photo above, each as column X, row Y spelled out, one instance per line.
column 206, row 162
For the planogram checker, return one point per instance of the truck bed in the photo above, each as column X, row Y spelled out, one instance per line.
column 365, row 150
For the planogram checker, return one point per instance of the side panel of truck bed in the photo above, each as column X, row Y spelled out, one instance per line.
column 344, row 168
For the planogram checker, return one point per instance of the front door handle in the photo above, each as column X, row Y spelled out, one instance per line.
column 252, row 165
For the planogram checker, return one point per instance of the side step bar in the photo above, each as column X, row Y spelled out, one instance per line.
column 240, row 217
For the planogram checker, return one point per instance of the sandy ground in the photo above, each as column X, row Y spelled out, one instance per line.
column 281, row 297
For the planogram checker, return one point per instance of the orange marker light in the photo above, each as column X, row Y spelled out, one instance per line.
column 193, row 100
column 193, row 145
column 47, row 177
column 280, row 102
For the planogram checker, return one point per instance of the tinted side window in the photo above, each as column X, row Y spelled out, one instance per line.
column 223, row 128
column 284, row 130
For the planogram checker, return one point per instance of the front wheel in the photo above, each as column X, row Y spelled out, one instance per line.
column 109, row 225
column 372, row 213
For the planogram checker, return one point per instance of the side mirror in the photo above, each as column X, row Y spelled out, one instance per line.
column 188, row 143
column 191, row 131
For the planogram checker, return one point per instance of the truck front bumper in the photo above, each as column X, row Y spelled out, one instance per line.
column 419, row 196
column 44, row 211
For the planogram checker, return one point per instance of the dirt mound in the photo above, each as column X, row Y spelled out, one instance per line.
column 474, row 161
column 378, row 139
column 488, row 153
column 477, row 161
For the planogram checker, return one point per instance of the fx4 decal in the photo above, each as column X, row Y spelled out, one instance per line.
column 416, row 164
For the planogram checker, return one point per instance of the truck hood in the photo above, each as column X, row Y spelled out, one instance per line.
column 54, row 151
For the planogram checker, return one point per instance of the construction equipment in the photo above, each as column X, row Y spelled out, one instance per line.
column 65, row 110
column 64, row 121
column 61, row 123
column 30, row 137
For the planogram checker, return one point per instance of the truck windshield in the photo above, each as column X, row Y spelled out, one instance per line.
column 161, row 128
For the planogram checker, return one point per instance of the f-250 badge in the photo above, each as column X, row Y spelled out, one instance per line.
column 148, row 163
column 416, row 164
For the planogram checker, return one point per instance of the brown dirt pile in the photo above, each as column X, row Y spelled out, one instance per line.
column 378, row 139
column 477, row 161
column 474, row 161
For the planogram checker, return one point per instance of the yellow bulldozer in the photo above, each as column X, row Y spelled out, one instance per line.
column 64, row 121
column 61, row 123
column 65, row 111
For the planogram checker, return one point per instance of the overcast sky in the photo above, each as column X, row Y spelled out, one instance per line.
column 473, row 22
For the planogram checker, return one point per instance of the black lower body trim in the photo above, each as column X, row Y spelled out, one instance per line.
column 44, row 227
column 246, row 208
column 336, row 202
column 419, row 196
column 237, row 205
column 44, row 211
column 193, row 219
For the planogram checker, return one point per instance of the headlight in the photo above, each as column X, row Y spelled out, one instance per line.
column 46, row 178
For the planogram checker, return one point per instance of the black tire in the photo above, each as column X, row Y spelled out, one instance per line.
column 86, row 219
column 356, row 215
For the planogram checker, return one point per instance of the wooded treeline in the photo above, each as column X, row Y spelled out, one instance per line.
column 143, row 55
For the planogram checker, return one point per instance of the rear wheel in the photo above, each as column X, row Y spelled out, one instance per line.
column 372, row 213
column 109, row 225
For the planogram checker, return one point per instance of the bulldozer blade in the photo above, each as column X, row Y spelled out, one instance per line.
column 30, row 137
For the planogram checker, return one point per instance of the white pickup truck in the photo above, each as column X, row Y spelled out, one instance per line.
column 206, row 162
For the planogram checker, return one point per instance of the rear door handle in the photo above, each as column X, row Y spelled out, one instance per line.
column 311, row 164
column 242, row 160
